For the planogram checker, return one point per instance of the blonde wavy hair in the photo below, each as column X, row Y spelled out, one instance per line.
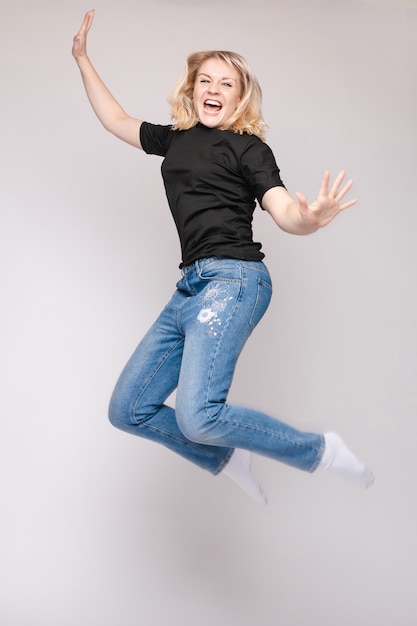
column 248, row 115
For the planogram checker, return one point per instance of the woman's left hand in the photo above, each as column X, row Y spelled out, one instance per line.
column 328, row 203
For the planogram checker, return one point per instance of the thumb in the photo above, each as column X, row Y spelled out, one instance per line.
column 301, row 199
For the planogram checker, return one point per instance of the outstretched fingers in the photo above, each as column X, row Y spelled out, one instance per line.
column 341, row 193
column 324, row 186
column 87, row 21
column 334, row 189
column 336, row 192
column 80, row 39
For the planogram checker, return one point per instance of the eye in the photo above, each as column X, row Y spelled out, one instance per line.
column 227, row 85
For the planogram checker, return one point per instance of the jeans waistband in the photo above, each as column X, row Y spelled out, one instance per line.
column 199, row 264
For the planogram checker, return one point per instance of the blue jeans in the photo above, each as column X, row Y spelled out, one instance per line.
column 193, row 347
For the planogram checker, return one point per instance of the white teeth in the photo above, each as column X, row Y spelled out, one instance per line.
column 213, row 103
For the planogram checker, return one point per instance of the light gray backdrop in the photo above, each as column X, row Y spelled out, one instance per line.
column 101, row 529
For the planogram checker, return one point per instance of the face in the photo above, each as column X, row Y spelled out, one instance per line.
column 216, row 93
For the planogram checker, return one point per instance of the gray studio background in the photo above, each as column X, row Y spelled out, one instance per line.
column 99, row 528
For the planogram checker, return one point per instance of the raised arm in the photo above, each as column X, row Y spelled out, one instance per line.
column 107, row 109
column 301, row 218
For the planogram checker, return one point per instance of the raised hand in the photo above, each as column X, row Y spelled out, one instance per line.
column 79, row 46
column 328, row 203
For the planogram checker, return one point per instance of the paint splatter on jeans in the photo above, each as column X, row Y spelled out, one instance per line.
column 214, row 302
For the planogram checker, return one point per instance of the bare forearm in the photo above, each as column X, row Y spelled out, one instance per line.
column 301, row 218
column 291, row 221
column 286, row 212
column 104, row 105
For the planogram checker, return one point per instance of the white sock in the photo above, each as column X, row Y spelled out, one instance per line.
column 239, row 469
column 339, row 459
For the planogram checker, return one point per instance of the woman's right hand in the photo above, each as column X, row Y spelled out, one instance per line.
column 79, row 46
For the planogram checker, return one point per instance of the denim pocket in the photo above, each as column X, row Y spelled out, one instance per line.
column 220, row 269
column 263, row 298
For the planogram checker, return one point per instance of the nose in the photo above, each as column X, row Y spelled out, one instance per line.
column 214, row 88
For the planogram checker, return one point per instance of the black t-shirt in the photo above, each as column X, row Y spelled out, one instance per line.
column 212, row 179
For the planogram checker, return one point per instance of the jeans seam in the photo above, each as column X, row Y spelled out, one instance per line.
column 261, row 282
column 201, row 267
column 320, row 454
column 215, row 355
column 278, row 436
column 224, row 462
column 190, row 444
column 149, row 380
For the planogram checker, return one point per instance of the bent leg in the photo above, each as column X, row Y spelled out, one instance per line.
column 218, row 322
column 138, row 404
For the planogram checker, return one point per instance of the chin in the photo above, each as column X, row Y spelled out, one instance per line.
column 210, row 122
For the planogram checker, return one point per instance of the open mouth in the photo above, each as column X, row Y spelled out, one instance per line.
column 212, row 106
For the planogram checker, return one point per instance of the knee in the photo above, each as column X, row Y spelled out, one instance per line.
column 117, row 414
column 126, row 412
column 196, row 424
column 121, row 412
column 191, row 431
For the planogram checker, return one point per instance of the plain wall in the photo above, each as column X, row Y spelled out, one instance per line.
column 99, row 528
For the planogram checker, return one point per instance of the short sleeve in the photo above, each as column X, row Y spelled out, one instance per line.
column 155, row 138
column 259, row 168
